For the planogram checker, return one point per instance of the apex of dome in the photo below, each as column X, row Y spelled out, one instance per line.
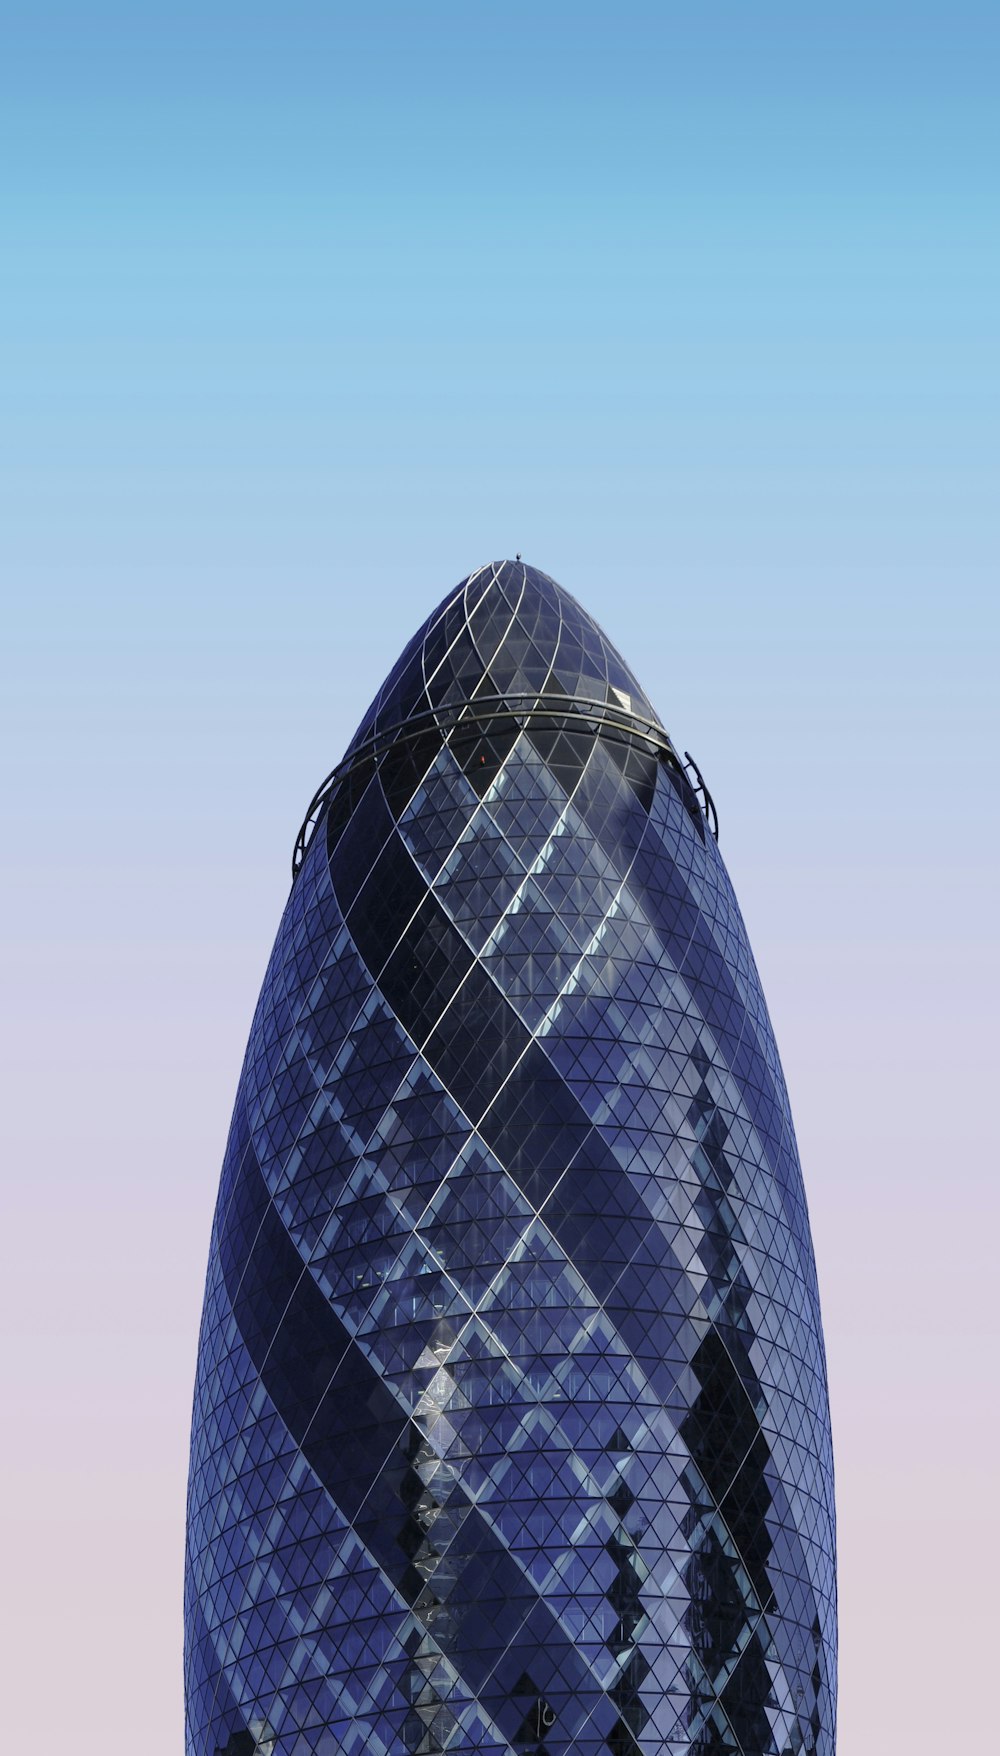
column 506, row 634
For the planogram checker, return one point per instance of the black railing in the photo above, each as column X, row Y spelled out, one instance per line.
column 476, row 717
column 702, row 793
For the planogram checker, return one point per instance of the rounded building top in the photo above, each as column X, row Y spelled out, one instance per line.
column 508, row 634
column 506, row 650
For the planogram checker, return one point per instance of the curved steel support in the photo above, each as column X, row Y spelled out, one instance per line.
column 705, row 798
column 479, row 715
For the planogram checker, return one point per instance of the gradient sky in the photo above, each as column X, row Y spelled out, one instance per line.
column 309, row 310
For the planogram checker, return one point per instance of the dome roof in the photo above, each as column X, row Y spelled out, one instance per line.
column 506, row 635
column 507, row 650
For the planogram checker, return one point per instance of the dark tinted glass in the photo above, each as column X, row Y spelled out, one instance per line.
column 511, row 1428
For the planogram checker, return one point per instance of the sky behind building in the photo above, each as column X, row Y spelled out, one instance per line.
column 307, row 314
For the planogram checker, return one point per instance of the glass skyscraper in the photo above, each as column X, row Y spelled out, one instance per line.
column 510, row 1430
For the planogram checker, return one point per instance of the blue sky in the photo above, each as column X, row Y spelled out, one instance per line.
column 335, row 303
column 308, row 311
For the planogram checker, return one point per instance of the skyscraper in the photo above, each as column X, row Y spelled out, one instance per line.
column 511, row 1429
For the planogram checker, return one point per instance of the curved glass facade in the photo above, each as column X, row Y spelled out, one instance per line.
column 510, row 1428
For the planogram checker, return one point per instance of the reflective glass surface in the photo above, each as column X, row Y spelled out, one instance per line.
column 510, row 1428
